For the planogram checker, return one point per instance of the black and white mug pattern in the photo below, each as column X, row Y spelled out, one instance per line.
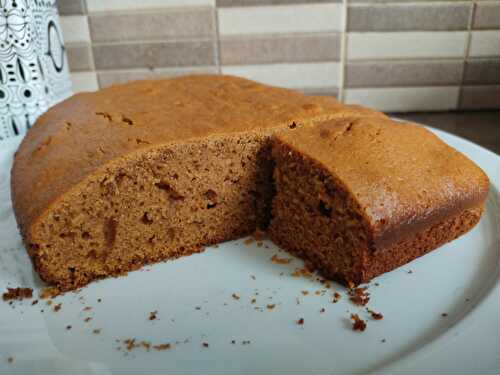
column 33, row 65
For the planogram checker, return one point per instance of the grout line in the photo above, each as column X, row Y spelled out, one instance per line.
column 91, row 50
column 466, row 52
column 343, row 53
column 217, row 40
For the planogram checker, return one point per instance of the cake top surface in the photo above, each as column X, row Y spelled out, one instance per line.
column 88, row 130
column 401, row 174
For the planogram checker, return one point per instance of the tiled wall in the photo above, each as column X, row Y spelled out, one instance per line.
column 391, row 55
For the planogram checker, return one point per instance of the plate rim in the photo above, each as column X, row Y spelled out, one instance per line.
column 429, row 355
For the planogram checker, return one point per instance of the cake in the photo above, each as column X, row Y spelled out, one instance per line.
column 357, row 197
column 106, row 182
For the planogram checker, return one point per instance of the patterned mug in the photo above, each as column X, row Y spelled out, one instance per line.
column 33, row 64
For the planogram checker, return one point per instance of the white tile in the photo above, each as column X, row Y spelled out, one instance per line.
column 84, row 81
column 403, row 99
column 280, row 19
column 485, row 43
column 317, row 75
column 110, row 5
column 430, row 44
column 75, row 29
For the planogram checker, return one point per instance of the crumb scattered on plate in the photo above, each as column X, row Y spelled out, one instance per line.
column 276, row 259
column 358, row 324
column 359, row 296
column 336, row 297
column 50, row 292
column 17, row 294
column 164, row 346
column 375, row 315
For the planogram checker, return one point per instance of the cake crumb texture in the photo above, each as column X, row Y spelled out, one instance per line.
column 359, row 197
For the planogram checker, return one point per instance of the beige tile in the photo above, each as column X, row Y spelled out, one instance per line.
column 390, row 45
column 421, row 16
column 487, row 15
column 299, row 18
column 113, row 5
column 66, row 7
column 113, row 77
column 279, row 48
column 480, row 97
column 84, row 81
column 404, row 99
column 75, row 29
column 298, row 75
column 240, row 3
column 393, row 1
column 154, row 55
column 79, row 57
column 485, row 43
column 163, row 24
column 403, row 73
column 482, row 72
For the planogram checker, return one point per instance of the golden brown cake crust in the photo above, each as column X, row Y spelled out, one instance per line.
column 404, row 178
column 93, row 181
column 80, row 135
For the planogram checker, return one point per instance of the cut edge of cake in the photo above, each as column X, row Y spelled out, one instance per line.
column 357, row 241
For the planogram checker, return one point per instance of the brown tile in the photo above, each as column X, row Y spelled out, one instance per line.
column 152, row 25
column 112, row 77
column 154, row 55
column 487, row 15
column 480, row 97
column 482, row 72
column 67, row 7
column 278, row 48
column 403, row 73
column 79, row 57
column 239, row 3
column 321, row 91
column 413, row 16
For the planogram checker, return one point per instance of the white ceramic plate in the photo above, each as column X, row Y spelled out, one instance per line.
column 460, row 280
